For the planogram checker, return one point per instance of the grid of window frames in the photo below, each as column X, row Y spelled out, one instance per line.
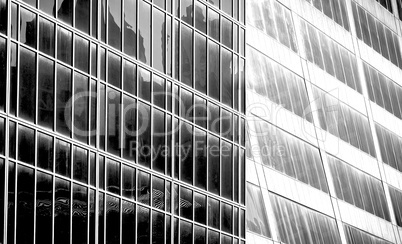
column 356, row 236
column 330, row 56
column 358, row 188
column 386, row 4
column 302, row 161
column 343, row 122
column 383, row 91
column 266, row 78
column 333, row 9
column 390, row 145
column 273, row 19
column 376, row 35
column 70, row 175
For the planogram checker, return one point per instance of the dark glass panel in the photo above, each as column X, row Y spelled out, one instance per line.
column 45, row 152
column 144, row 40
column 46, row 92
column 158, row 36
column 200, row 64
column 3, row 16
column 214, row 118
column 201, row 17
column 101, row 218
column 79, row 214
column 257, row 217
column 159, row 93
column 187, row 163
column 28, row 28
column 102, row 116
column 80, row 166
column 159, row 135
column 213, row 213
column 65, row 11
column 144, row 84
column 130, row 77
column 47, row 6
column 213, row 77
column 128, row 222
column 128, row 182
column 81, row 107
column 227, row 32
column 130, row 27
column 63, row 158
column 27, row 85
column 227, row 165
column 82, row 10
column 103, row 21
column 2, row 136
column 13, row 20
column 144, row 135
column 169, row 39
column 26, row 145
column 81, row 60
column 200, row 208
column 213, row 237
column 143, row 225
column 200, row 112
column 187, row 11
column 112, row 220
column 92, row 169
column 200, row 152
column 129, row 129
column 144, row 188
column 94, row 26
column 64, row 45
column 94, row 60
column 113, row 119
column 11, row 202
column 25, row 205
column 158, row 225
column 226, row 218
column 186, row 232
column 186, row 203
column 94, row 111
column 102, row 61
column 3, row 73
column 92, row 217
column 114, row 70
column 114, row 23
column 113, row 176
column 44, row 205
column 227, row 77
column 199, row 235
column 46, row 36
column 213, row 24
column 186, row 55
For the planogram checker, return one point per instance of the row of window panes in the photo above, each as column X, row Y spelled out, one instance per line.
column 396, row 200
column 344, row 122
column 32, row 204
column 287, row 154
column 224, row 71
column 234, row 8
column 80, row 164
column 383, row 91
column 359, row 189
column 386, row 4
column 334, row 9
column 52, row 114
column 376, row 35
column 390, row 145
column 355, row 236
column 273, row 19
column 330, row 56
column 277, row 84
column 297, row 224
column 199, row 157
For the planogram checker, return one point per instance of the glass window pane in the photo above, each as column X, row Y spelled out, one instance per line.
column 3, row 70
column 113, row 176
column 81, row 107
column 200, row 158
column 144, row 187
column 80, row 214
column 159, row 135
column 213, row 161
column 186, row 148
column 227, row 77
column 186, row 232
column 213, row 213
column 62, row 212
column 128, row 182
column 45, row 92
column 201, row 17
column 159, row 93
column 28, row 28
column 213, row 76
column 63, row 158
column 82, row 9
column 81, row 60
column 227, row 165
column 112, row 220
column 26, row 145
column 200, row 63
column 130, row 77
column 45, row 152
column 64, row 45
column 186, row 55
column 44, row 204
column 144, row 45
column 65, row 11
column 187, row 11
column 114, row 23
column 200, row 208
column 46, row 36
column 144, row 135
column 158, row 38
column 2, row 136
column 130, row 27
column 227, row 32
column 213, row 24
column 63, row 112
column 27, row 86
column 80, row 166
column 114, row 70
column 144, row 84
column 113, row 117
column 128, row 222
column 143, row 225
column 129, row 129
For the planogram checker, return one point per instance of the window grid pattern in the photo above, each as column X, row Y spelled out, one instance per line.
column 333, row 9
column 330, row 56
column 359, row 189
column 376, row 35
column 355, row 236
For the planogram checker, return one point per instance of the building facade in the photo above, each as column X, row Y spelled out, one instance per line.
column 324, row 107
column 122, row 121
